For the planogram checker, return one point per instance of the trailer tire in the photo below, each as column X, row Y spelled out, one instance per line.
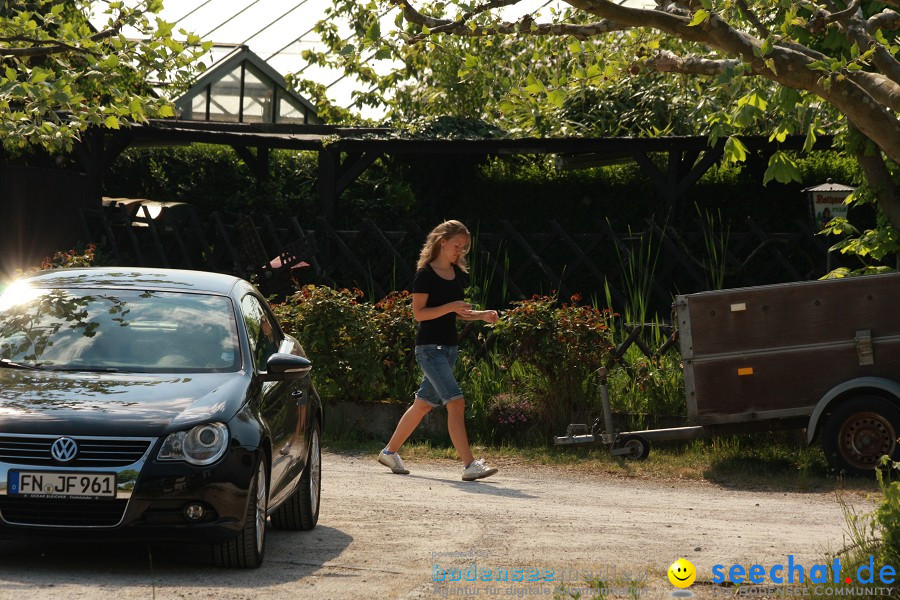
column 639, row 446
column 859, row 432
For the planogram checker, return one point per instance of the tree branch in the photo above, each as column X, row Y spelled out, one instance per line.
column 57, row 48
column 523, row 27
column 886, row 20
column 754, row 20
column 822, row 18
column 669, row 62
column 528, row 27
column 879, row 179
column 51, row 46
column 883, row 60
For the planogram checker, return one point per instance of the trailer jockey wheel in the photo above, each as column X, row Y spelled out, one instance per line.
column 859, row 432
column 639, row 446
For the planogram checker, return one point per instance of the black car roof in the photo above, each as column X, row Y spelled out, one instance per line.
column 133, row 277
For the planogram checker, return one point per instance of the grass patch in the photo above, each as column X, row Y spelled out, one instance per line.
column 778, row 462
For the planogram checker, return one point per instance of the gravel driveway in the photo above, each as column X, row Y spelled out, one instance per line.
column 389, row 536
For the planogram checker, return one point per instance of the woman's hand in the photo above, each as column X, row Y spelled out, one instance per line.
column 489, row 316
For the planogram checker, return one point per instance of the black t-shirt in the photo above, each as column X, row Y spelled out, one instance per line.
column 440, row 291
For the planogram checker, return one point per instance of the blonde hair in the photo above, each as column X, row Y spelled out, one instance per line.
column 432, row 247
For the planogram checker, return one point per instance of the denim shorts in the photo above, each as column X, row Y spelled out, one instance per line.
column 438, row 386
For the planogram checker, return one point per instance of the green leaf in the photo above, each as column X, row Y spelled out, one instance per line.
column 735, row 151
column 110, row 62
column 348, row 49
column 764, row 49
column 755, row 100
column 557, row 98
column 166, row 110
column 782, row 169
column 374, row 32
column 11, row 74
column 701, row 16
column 810, row 140
column 111, row 122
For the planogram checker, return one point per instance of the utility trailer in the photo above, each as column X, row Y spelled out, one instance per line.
column 820, row 355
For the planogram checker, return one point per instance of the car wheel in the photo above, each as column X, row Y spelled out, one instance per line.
column 247, row 549
column 301, row 510
column 859, row 432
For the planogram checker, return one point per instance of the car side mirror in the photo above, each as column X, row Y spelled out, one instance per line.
column 286, row 367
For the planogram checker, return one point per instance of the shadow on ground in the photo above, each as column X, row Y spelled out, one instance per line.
column 290, row 556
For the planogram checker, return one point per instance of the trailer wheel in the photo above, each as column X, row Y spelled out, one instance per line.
column 859, row 432
column 639, row 446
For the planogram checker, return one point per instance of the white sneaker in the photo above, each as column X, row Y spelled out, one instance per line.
column 393, row 462
column 477, row 470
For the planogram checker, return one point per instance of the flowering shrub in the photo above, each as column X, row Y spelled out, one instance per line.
column 69, row 259
column 512, row 417
column 397, row 339
column 340, row 336
column 565, row 343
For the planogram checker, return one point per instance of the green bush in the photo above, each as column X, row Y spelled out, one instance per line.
column 564, row 344
column 397, row 340
column 340, row 336
column 887, row 515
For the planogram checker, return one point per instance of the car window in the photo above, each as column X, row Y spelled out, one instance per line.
column 261, row 331
column 127, row 330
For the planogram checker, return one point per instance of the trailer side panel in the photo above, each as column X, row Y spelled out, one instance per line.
column 771, row 352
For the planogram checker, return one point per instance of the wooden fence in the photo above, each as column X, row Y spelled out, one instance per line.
column 507, row 263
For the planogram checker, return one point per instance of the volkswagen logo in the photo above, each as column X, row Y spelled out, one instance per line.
column 64, row 449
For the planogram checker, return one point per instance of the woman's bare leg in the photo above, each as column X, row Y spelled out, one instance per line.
column 456, row 426
column 408, row 423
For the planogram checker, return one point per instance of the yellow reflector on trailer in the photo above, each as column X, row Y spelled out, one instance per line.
column 745, row 371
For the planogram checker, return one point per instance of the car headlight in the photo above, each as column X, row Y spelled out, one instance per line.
column 202, row 445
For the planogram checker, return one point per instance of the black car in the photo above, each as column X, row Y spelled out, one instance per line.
column 157, row 405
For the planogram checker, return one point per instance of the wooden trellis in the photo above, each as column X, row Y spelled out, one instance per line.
column 667, row 261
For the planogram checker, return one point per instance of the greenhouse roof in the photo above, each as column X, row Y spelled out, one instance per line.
column 242, row 88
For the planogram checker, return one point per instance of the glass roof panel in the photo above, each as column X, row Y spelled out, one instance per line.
column 225, row 95
column 197, row 111
column 259, row 94
column 290, row 111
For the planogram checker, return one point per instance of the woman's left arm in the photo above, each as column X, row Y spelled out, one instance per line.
column 488, row 316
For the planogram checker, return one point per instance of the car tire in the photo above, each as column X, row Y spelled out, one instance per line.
column 859, row 432
column 301, row 510
column 246, row 550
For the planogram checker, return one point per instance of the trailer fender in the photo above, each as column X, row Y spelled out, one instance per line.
column 848, row 388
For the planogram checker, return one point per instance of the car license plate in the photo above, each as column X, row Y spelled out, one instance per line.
column 65, row 485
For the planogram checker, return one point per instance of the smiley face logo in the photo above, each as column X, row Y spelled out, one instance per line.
column 682, row 573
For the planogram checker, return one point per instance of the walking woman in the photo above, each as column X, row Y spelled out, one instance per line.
column 437, row 300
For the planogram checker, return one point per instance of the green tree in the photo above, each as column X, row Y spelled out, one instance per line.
column 60, row 75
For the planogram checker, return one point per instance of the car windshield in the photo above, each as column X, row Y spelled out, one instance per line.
column 117, row 330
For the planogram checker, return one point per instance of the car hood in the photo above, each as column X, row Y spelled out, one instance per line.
column 133, row 404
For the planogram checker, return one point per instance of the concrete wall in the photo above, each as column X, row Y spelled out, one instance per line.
column 376, row 420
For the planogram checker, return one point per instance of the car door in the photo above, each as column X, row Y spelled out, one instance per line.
column 277, row 407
